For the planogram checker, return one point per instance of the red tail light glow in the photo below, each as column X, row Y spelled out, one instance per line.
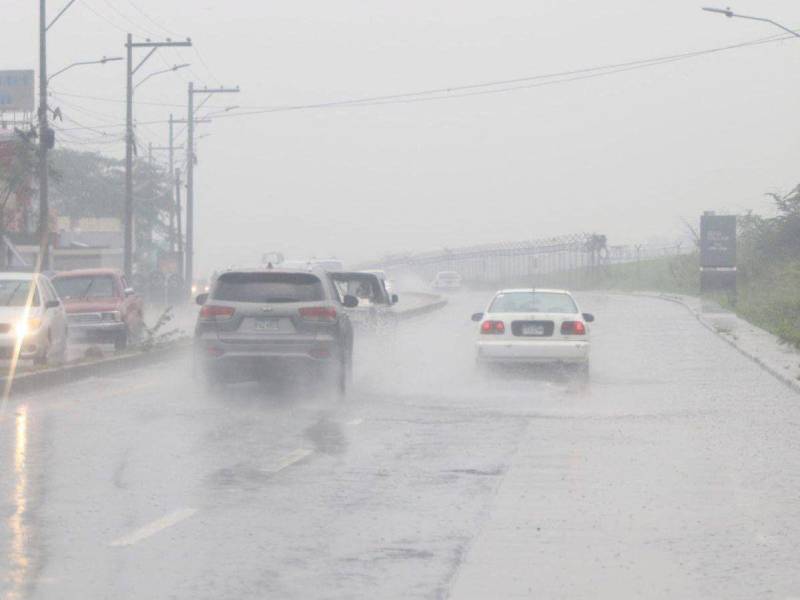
column 493, row 327
column 318, row 313
column 219, row 313
column 573, row 328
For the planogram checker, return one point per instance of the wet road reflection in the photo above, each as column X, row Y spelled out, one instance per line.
column 18, row 558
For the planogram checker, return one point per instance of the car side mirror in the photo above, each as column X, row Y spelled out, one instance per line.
column 395, row 299
column 477, row 317
column 129, row 291
column 201, row 299
column 350, row 301
column 52, row 304
column 588, row 317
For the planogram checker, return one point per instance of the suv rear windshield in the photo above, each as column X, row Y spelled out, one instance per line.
column 268, row 287
column 84, row 286
column 544, row 302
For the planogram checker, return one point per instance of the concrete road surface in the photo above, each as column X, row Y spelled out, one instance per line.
column 674, row 474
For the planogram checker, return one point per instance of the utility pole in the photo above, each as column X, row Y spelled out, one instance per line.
column 130, row 45
column 44, row 139
column 190, row 160
column 174, row 208
column 170, row 148
column 179, row 240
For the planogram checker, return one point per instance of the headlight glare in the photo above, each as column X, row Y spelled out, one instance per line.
column 23, row 328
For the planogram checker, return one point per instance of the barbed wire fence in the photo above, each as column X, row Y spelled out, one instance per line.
column 569, row 261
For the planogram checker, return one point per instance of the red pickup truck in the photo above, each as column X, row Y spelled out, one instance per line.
column 100, row 305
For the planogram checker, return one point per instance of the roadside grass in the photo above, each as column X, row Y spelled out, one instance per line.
column 768, row 294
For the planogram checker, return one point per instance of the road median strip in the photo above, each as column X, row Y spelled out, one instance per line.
column 31, row 381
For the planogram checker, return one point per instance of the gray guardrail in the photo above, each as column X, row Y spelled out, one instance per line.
column 430, row 303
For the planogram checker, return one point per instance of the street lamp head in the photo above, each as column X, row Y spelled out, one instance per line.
column 722, row 11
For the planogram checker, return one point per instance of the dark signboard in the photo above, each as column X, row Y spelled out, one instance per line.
column 717, row 241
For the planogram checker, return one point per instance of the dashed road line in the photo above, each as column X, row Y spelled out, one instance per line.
column 154, row 527
column 290, row 459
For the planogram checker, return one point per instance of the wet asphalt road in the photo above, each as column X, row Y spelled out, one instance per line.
column 674, row 474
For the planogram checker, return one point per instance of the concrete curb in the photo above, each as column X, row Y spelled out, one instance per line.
column 30, row 382
column 789, row 381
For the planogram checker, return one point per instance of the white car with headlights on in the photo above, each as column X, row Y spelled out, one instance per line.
column 531, row 326
column 33, row 322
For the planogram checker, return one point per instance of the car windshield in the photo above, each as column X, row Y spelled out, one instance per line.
column 268, row 287
column 525, row 302
column 15, row 293
column 84, row 286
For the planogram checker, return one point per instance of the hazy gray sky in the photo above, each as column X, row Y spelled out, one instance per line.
column 628, row 154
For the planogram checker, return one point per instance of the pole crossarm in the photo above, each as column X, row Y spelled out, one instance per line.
column 155, row 46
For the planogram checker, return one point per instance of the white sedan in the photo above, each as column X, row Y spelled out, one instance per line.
column 533, row 326
column 33, row 322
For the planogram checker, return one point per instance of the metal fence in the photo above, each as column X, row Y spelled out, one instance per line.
column 571, row 260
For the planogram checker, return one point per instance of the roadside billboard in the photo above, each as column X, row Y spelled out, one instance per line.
column 718, row 241
column 16, row 91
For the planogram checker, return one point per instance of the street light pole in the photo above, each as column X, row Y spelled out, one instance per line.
column 731, row 15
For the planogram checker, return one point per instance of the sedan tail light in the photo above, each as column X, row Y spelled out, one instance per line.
column 573, row 328
column 493, row 327
column 210, row 312
column 318, row 313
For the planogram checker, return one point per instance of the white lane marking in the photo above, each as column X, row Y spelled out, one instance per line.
column 153, row 528
column 290, row 459
column 355, row 422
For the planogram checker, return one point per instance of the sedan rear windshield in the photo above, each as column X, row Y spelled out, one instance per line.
column 268, row 287
column 525, row 302
column 84, row 286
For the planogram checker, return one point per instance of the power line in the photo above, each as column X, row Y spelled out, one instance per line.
column 486, row 87
column 149, row 18
column 130, row 21
column 103, row 17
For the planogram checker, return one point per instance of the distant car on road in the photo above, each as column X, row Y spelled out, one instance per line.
column 533, row 326
column 255, row 323
column 33, row 323
column 101, row 306
column 447, row 280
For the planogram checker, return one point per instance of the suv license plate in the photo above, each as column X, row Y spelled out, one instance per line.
column 533, row 330
column 266, row 324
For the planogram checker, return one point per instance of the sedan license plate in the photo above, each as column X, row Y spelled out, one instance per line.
column 533, row 330
column 267, row 325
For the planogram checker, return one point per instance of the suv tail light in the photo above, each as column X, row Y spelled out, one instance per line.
column 573, row 328
column 318, row 313
column 211, row 312
column 493, row 327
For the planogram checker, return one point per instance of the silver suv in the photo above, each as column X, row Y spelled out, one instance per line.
column 260, row 322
